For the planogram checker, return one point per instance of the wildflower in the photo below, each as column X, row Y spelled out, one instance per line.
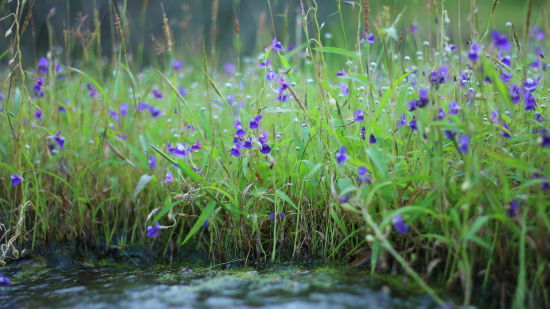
column 414, row 28
column 265, row 148
column 248, row 143
column 423, row 98
column 413, row 125
column 281, row 96
column 238, row 125
column 473, row 53
column 182, row 91
column 344, row 89
column 16, row 179
column 42, row 66
column 537, row 33
column 157, row 94
column 113, row 115
column 266, row 63
column 206, row 223
column 450, row 134
column 515, row 94
column 38, row 114
column 92, row 91
column 513, row 208
column 545, row 142
column 412, row 105
column 152, row 162
column 505, row 77
column 539, row 117
column 363, row 133
column 121, row 137
column 59, row 140
column 359, row 117
column 341, row 73
column 544, row 185
column 453, row 108
column 505, row 133
column 264, row 137
column 62, row 109
column 1, row 96
column 177, row 65
column 343, row 199
column 463, row 143
column 180, row 150
column 270, row 75
column 440, row 76
column 4, row 280
column 236, row 150
column 142, row 106
column 464, row 78
column 196, row 146
column 440, row 114
column 38, row 88
column 255, row 122
column 341, row 156
column 363, row 175
column 153, row 231
column 273, row 216
column 124, row 110
column 399, row 225
column 155, row 112
column 500, row 41
column 402, row 121
column 372, row 139
column 530, row 102
column 530, row 85
column 229, row 68
column 59, row 70
column 506, row 60
column 169, row 177
column 276, row 45
column 370, row 38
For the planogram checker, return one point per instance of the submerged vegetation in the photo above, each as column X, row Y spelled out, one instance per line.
column 416, row 148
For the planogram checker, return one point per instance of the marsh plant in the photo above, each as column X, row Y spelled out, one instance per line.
column 417, row 146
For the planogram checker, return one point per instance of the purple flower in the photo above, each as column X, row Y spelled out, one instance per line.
column 342, row 72
column 537, row 33
column 38, row 114
column 113, row 115
column 363, row 175
column 473, row 53
column 59, row 140
column 265, row 148
column 121, row 137
column 152, row 162
column 341, row 156
column 276, row 45
column 413, row 29
column 370, row 38
column 450, row 134
column 255, row 122
column 38, row 88
column 238, row 125
column 155, row 112
column 248, row 143
column 344, row 89
column 5, row 281
column 92, row 91
column 182, row 91
column 124, row 110
column 266, row 63
column 464, row 79
column 545, row 185
column 402, row 121
column 180, row 150
column 169, row 177
column 463, row 143
column 412, row 105
column 196, row 146
column 506, row 60
column 505, row 77
column 153, row 231
column 440, row 114
column 142, row 106
column 363, row 133
column 206, row 223
column 264, row 137
column 530, row 103
column 500, row 41
column 270, row 75
column 453, row 108
column 157, row 94
column 545, row 142
column 359, row 117
column 539, row 117
column 530, row 85
column 440, row 76
column 515, row 94
column 229, row 68
column 423, row 98
column 16, row 179
column 399, row 225
column 273, row 216
column 372, row 139
column 42, row 66
column 413, row 125
column 513, row 208
column 177, row 65
column 236, row 150
column 505, row 133
column 1, row 96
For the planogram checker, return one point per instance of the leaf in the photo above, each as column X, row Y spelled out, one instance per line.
column 338, row 51
column 184, row 167
column 478, row 224
column 143, row 181
column 205, row 214
column 285, row 198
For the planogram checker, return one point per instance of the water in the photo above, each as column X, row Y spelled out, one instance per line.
column 169, row 287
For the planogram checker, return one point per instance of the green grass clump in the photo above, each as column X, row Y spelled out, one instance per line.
column 298, row 201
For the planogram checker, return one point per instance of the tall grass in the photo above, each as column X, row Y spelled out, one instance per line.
column 297, row 202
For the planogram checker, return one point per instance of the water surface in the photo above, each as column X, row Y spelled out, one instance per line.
column 195, row 287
